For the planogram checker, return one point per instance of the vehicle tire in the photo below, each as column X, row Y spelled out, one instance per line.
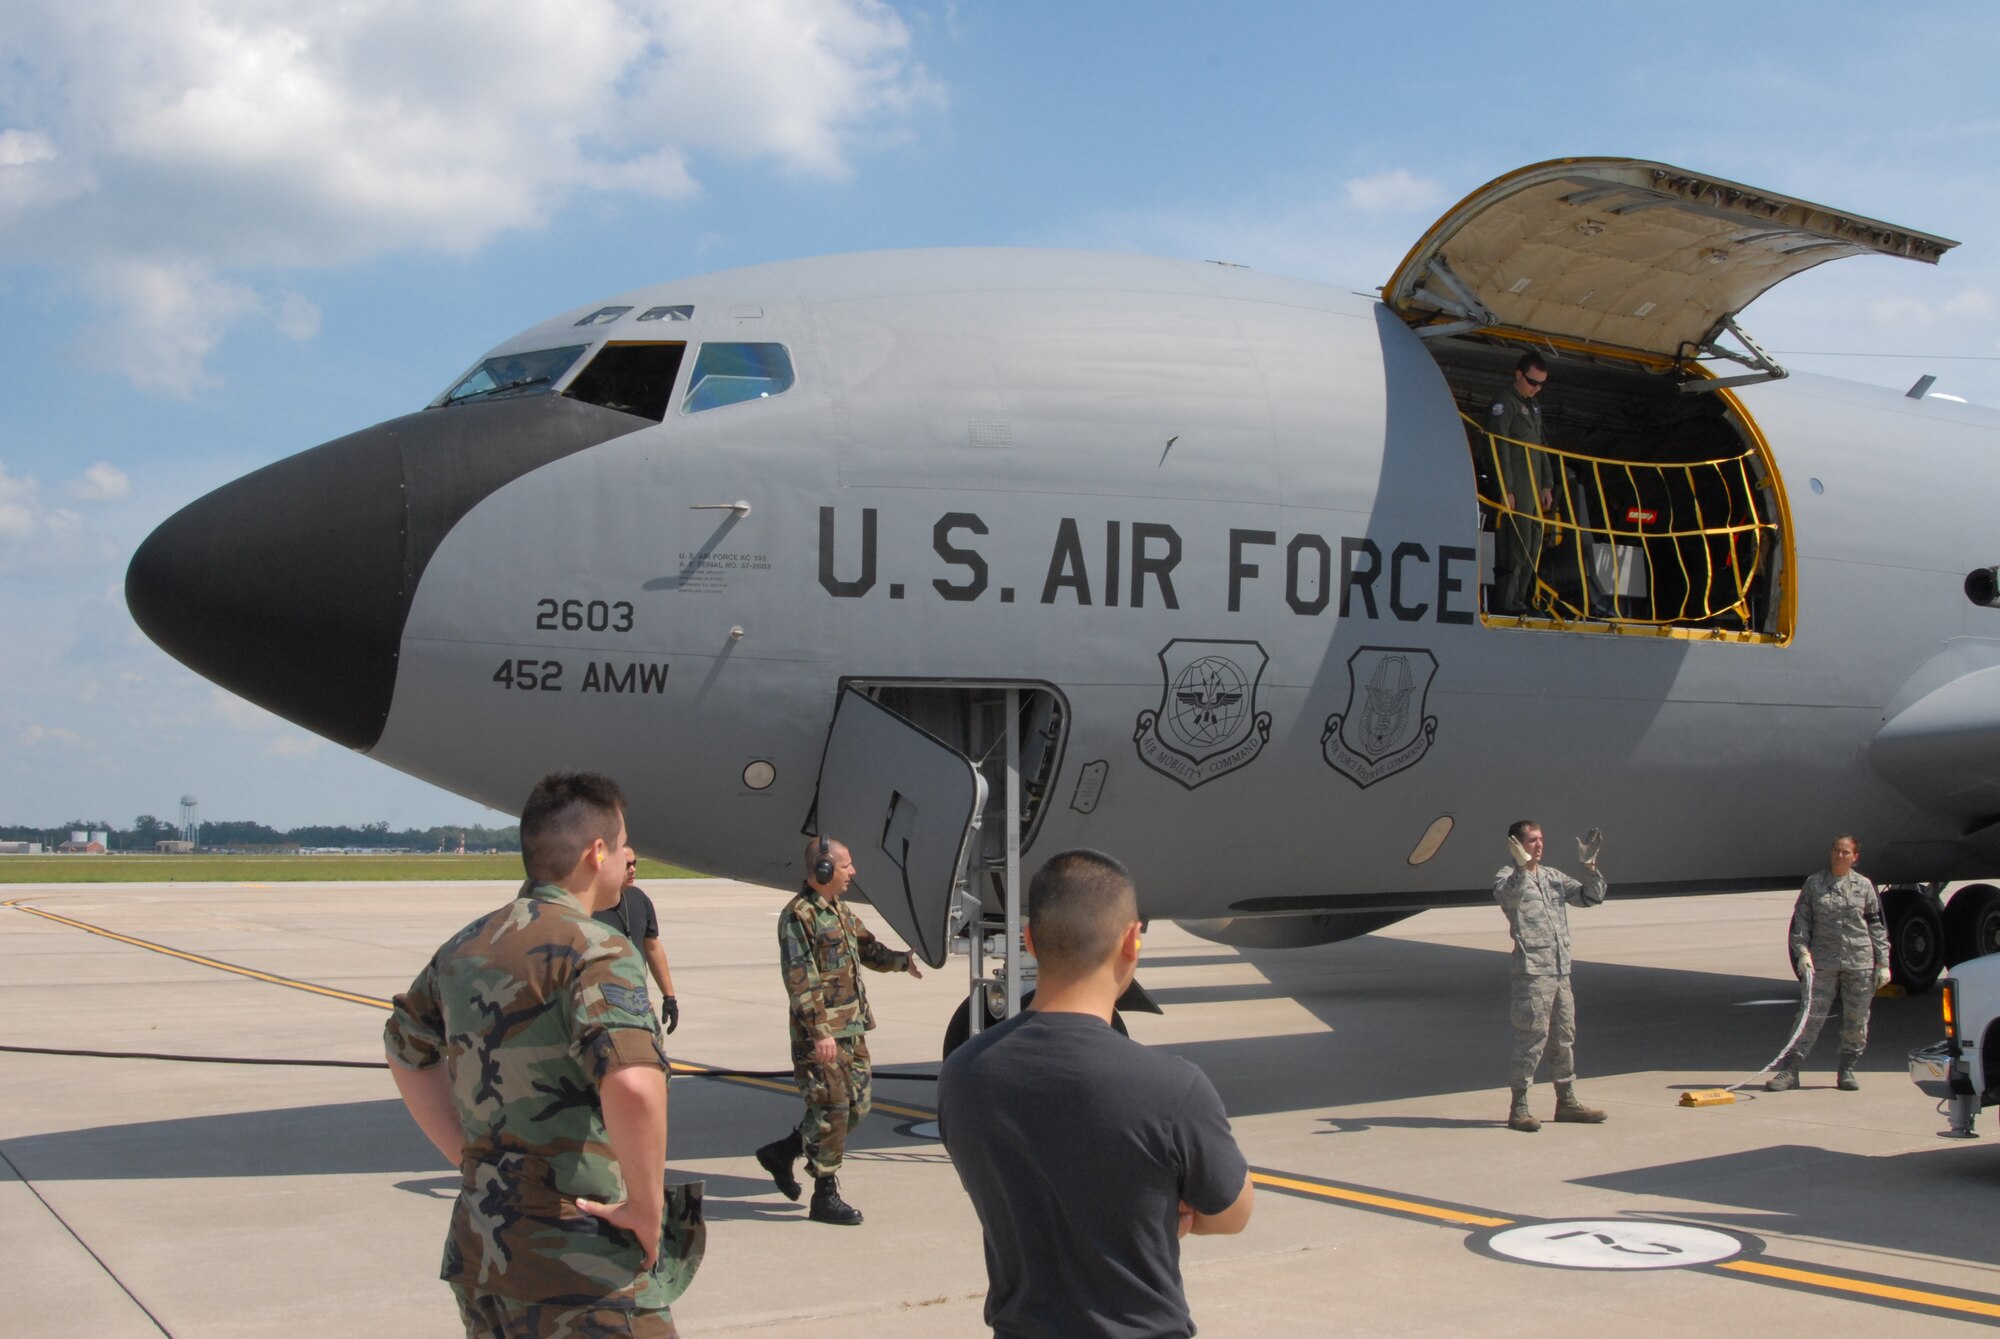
column 1972, row 923
column 1916, row 938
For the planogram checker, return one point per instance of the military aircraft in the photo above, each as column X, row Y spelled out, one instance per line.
column 970, row 556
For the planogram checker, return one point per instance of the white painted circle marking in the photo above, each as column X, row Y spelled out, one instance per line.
column 1594, row 1243
column 923, row 1129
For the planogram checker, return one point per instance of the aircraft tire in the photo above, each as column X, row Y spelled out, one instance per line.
column 1916, row 937
column 1972, row 923
column 959, row 1030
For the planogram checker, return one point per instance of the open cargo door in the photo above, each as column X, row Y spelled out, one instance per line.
column 906, row 806
column 1620, row 254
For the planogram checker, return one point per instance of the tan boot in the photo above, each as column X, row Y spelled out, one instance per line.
column 1574, row 1112
column 1786, row 1077
column 1520, row 1118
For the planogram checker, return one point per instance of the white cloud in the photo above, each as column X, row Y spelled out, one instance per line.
column 239, row 714
column 20, row 506
column 295, row 746
column 102, row 482
column 166, row 149
column 36, row 735
column 18, row 148
column 1395, row 191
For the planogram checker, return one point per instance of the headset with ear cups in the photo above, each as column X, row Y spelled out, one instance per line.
column 822, row 866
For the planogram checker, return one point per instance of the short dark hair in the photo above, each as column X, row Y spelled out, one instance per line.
column 1531, row 362
column 1079, row 903
column 565, row 812
column 1518, row 829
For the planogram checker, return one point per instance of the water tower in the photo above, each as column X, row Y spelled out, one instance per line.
column 190, row 820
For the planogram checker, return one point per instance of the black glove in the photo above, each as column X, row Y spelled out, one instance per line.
column 670, row 1013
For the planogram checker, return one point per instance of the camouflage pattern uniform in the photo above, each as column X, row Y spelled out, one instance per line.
column 1541, row 1006
column 528, row 1008
column 821, row 945
column 1524, row 473
column 1839, row 921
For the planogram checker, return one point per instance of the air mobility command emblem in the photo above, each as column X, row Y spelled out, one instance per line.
column 1207, row 723
column 1384, row 729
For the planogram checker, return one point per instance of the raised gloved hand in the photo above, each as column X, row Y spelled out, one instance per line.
column 1588, row 847
column 1881, row 977
column 670, row 1012
column 1518, row 852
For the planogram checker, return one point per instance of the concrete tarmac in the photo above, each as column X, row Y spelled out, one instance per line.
column 1365, row 1081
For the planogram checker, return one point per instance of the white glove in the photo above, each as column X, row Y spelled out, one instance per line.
column 1881, row 977
column 1588, row 847
column 1520, row 853
column 1802, row 962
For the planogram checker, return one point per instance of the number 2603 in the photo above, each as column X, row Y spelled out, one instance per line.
column 578, row 615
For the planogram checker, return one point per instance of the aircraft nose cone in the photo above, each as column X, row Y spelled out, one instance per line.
column 286, row 586
column 290, row 586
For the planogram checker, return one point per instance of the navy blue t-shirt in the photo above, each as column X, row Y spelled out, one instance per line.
column 1077, row 1146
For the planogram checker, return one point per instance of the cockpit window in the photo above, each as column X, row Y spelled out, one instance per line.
column 727, row 374
column 511, row 374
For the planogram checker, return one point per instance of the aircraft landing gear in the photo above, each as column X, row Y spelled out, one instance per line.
column 959, row 1030
column 1916, row 936
column 1972, row 923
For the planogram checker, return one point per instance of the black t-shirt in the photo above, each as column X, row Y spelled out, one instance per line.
column 1077, row 1146
column 632, row 916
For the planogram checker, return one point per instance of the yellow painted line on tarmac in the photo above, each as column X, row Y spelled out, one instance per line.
column 1376, row 1200
column 1888, row 1292
column 268, row 978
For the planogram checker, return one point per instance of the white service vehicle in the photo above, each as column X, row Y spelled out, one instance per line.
column 1963, row 1070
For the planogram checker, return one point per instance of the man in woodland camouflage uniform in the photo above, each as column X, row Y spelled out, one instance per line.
column 821, row 944
column 528, row 1053
column 1536, row 898
column 1837, row 936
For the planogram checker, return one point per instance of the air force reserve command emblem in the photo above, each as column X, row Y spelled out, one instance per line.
column 1208, row 722
column 1384, row 728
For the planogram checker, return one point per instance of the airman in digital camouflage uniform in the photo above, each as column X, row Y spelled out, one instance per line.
column 821, row 946
column 1536, row 898
column 1527, row 482
column 527, row 1051
column 1837, row 934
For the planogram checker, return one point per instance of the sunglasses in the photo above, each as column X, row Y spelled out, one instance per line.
column 1532, row 381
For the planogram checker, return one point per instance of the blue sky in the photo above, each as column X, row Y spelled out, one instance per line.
column 230, row 231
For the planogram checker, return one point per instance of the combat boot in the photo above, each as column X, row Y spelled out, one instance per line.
column 829, row 1207
column 1519, row 1117
column 1787, row 1076
column 777, row 1158
column 1847, row 1082
column 1570, row 1110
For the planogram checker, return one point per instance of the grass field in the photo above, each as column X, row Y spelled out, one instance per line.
column 277, row 868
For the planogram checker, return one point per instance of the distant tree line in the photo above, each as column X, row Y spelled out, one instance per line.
column 242, row 835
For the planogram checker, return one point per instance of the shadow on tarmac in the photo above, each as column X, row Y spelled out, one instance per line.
column 1798, row 1189
column 1410, row 1019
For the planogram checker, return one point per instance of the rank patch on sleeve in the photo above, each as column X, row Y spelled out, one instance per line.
column 1497, row 408
column 632, row 999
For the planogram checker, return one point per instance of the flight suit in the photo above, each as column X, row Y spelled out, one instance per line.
column 1518, row 544
column 529, row 1008
column 1839, row 922
column 1541, row 1006
column 821, row 947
